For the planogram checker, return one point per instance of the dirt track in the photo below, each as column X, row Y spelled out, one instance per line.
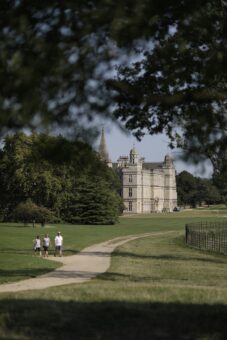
column 90, row 262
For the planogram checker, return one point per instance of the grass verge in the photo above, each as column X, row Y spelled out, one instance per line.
column 155, row 288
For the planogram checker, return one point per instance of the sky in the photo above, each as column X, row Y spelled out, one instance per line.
column 153, row 148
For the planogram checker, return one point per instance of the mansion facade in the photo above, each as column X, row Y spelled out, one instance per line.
column 145, row 187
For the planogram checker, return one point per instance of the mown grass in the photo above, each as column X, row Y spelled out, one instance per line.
column 155, row 288
column 16, row 241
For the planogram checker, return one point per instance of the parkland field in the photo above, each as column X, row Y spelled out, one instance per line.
column 155, row 288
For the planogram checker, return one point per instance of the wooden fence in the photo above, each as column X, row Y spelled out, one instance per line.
column 207, row 236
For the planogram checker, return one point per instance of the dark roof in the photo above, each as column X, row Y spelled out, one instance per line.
column 146, row 166
column 153, row 165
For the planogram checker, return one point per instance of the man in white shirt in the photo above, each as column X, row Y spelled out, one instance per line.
column 58, row 244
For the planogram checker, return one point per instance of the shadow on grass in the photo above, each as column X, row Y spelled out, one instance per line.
column 24, row 272
column 69, row 252
column 47, row 319
column 170, row 257
column 30, row 251
column 26, row 251
column 109, row 276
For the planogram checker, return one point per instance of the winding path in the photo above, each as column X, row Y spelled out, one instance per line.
column 79, row 268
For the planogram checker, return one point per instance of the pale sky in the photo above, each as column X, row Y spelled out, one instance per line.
column 153, row 148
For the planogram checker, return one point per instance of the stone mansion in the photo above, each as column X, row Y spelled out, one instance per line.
column 145, row 187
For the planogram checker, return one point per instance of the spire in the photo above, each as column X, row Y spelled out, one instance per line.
column 103, row 148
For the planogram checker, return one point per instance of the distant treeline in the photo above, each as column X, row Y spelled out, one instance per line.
column 195, row 191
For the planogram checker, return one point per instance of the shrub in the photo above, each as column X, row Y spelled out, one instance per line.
column 29, row 212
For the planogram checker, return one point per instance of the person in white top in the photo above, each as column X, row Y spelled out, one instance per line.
column 58, row 244
column 46, row 245
column 37, row 245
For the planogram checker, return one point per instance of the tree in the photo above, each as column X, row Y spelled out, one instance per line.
column 46, row 170
column 186, row 188
column 194, row 191
column 207, row 192
column 179, row 86
column 27, row 173
column 28, row 212
column 94, row 202
column 56, row 56
column 220, row 172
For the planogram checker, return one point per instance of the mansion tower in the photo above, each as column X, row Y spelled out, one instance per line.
column 145, row 187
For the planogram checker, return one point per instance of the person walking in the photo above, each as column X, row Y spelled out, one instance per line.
column 46, row 245
column 58, row 244
column 37, row 245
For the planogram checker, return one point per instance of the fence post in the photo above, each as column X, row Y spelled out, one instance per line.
column 186, row 234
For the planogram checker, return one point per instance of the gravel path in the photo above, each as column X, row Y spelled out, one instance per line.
column 90, row 262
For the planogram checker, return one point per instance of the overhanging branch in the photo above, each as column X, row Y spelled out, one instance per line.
column 127, row 91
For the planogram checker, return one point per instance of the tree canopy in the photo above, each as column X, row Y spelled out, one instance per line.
column 47, row 171
column 180, row 85
column 57, row 57
column 194, row 191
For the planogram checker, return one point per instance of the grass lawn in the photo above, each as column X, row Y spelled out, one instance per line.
column 155, row 288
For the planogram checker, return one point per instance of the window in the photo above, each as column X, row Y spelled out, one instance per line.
column 130, row 206
column 130, row 178
column 130, row 192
